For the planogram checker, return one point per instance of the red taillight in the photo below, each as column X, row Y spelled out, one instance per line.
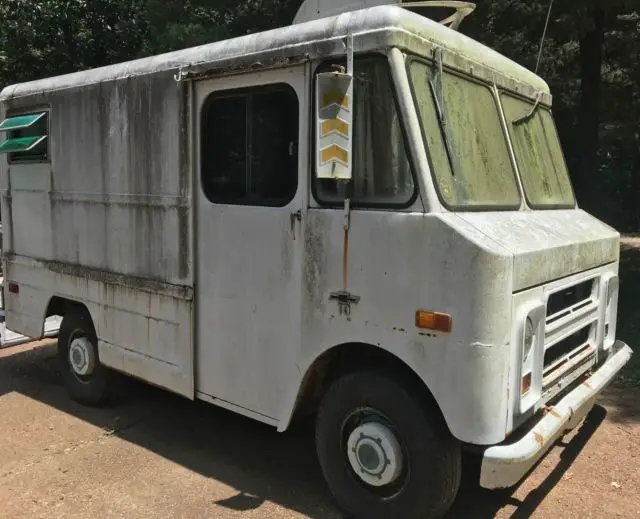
column 14, row 288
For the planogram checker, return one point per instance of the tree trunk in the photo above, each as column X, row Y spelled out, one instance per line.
column 591, row 50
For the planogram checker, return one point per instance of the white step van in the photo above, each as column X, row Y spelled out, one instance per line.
column 365, row 215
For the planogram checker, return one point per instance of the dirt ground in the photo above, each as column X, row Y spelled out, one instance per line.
column 153, row 454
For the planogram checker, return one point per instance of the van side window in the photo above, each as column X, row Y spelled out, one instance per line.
column 249, row 146
column 382, row 174
column 26, row 137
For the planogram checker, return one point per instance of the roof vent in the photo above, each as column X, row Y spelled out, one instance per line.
column 455, row 11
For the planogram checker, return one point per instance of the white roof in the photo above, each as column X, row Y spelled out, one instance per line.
column 376, row 26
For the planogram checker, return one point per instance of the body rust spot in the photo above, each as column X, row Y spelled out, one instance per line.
column 539, row 438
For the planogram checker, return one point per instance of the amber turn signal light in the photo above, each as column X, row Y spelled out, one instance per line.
column 433, row 321
column 526, row 384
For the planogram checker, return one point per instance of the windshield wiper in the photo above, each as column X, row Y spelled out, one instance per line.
column 438, row 96
column 526, row 117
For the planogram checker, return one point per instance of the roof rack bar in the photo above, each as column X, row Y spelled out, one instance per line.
column 462, row 10
column 315, row 9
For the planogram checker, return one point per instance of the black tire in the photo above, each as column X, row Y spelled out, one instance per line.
column 93, row 389
column 430, row 479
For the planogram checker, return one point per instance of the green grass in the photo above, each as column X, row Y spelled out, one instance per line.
column 629, row 313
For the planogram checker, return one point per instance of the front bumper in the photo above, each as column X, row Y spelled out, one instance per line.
column 505, row 465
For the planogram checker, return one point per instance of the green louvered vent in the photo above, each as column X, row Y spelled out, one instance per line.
column 20, row 121
column 26, row 136
column 20, row 144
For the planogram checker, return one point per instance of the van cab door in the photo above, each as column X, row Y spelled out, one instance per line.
column 251, row 189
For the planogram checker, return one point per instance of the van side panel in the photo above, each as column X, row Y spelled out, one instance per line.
column 119, row 165
column 107, row 223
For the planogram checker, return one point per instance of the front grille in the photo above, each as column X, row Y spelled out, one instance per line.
column 570, row 332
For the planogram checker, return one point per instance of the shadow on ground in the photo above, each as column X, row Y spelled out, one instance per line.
column 252, row 458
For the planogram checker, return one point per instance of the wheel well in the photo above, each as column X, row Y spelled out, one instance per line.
column 350, row 357
column 62, row 306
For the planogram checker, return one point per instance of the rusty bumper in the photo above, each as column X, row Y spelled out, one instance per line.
column 505, row 465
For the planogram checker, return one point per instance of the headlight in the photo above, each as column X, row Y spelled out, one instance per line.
column 529, row 335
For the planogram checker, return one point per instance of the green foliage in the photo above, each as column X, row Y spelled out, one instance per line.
column 49, row 37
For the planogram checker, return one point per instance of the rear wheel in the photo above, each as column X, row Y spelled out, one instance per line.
column 383, row 453
column 85, row 378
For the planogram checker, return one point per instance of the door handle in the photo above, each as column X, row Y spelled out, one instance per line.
column 295, row 216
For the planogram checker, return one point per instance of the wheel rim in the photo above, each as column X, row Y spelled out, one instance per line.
column 374, row 451
column 82, row 359
column 375, row 454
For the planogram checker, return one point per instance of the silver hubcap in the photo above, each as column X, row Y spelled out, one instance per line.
column 375, row 454
column 81, row 356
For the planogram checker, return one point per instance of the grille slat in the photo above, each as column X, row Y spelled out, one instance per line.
column 568, row 311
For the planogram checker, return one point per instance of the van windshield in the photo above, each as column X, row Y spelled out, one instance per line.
column 467, row 147
column 536, row 145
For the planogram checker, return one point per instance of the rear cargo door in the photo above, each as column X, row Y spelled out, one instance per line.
column 251, row 188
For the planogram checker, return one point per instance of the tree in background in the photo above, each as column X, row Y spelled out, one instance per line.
column 49, row 37
column 176, row 24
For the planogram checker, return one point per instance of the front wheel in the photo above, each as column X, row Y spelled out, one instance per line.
column 384, row 454
column 85, row 378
